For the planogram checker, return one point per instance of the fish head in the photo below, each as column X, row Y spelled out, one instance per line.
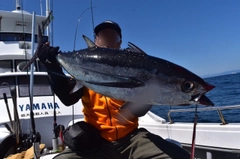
column 195, row 90
column 179, row 86
column 186, row 89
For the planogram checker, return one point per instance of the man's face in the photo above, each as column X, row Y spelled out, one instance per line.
column 108, row 38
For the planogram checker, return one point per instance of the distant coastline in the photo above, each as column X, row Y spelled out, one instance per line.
column 222, row 73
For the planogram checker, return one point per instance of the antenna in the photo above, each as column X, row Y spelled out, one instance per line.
column 41, row 6
column 18, row 5
column 47, row 14
column 52, row 23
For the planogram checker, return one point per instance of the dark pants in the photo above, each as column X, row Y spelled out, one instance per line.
column 140, row 144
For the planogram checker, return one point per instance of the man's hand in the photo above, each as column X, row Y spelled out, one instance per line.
column 137, row 109
column 47, row 54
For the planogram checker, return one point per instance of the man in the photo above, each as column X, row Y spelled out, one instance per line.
column 118, row 127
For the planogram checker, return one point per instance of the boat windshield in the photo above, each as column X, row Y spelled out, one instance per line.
column 41, row 86
column 17, row 65
column 19, row 37
column 5, row 66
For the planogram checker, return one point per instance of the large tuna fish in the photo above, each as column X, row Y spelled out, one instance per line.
column 132, row 75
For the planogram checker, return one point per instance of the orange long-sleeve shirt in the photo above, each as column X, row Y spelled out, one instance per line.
column 105, row 114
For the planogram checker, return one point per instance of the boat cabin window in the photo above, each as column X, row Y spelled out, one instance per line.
column 38, row 66
column 19, row 64
column 19, row 37
column 41, row 86
column 7, row 83
column 6, row 66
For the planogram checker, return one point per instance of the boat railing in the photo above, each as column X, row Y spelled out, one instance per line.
column 218, row 109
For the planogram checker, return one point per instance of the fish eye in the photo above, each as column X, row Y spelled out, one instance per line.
column 187, row 86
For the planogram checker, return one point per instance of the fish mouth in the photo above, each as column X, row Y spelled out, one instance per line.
column 208, row 87
column 202, row 99
column 205, row 101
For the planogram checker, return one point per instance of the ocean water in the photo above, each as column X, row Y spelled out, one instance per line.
column 225, row 93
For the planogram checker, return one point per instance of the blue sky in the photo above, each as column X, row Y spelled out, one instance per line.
column 200, row 35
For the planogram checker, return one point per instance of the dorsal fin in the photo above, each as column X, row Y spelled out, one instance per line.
column 90, row 43
column 134, row 48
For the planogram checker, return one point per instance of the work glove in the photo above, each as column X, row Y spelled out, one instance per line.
column 47, row 54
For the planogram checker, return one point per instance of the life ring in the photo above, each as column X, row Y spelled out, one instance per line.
column 21, row 65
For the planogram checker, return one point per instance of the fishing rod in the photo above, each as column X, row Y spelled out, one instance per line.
column 75, row 35
column 18, row 129
column 35, row 136
column 15, row 126
column 79, row 19
column 46, row 23
column 194, row 134
column 92, row 17
column 8, row 111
